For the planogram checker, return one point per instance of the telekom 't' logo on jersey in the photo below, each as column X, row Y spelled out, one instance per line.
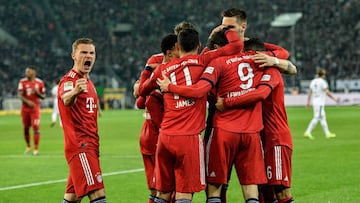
column 90, row 104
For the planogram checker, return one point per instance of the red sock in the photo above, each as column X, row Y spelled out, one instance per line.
column 36, row 140
column 27, row 137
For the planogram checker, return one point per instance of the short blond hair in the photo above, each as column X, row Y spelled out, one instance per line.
column 81, row 41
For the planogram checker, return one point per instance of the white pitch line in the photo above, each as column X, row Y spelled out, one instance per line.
column 62, row 156
column 64, row 180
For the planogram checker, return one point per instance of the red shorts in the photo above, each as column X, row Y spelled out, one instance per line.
column 31, row 118
column 278, row 165
column 243, row 150
column 148, row 138
column 84, row 175
column 149, row 165
column 179, row 164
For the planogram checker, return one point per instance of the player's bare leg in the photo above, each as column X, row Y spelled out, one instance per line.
column 97, row 195
column 251, row 193
column 184, row 197
column 213, row 192
column 162, row 197
column 71, row 198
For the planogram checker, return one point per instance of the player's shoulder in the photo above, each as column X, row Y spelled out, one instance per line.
column 39, row 80
column 70, row 75
column 155, row 58
column 23, row 80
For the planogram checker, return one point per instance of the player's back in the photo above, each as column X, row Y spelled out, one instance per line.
column 276, row 128
column 318, row 87
column 183, row 116
column 239, row 75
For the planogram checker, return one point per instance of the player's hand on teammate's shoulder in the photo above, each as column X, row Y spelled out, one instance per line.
column 264, row 59
column 163, row 83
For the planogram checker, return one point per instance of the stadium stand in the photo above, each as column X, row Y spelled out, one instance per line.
column 327, row 35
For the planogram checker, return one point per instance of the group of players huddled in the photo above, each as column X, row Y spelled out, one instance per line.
column 236, row 82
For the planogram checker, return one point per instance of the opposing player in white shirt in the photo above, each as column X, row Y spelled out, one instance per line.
column 319, row 89
column 55, row 111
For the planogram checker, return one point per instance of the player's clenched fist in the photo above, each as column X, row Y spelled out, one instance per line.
column 81, row 85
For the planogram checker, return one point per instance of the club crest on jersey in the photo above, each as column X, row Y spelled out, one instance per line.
column 265, row 77
column 68, row 86
column 99, row 177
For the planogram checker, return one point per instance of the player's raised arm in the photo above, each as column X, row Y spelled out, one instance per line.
column 234, row 46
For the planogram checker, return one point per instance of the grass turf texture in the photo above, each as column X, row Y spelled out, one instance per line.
column 324, row 170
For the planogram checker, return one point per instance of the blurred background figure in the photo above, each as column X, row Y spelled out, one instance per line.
column 55, row 111
column 318, row 91
column 30, row 90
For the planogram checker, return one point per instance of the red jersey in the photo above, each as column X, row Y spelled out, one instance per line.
column 234, row 76
column 27, row 87
column 183, row 116
column 80, row 119
column 276, row 128
column 155, row 59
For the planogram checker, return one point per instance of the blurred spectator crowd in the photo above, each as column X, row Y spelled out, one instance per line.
column 327, row 35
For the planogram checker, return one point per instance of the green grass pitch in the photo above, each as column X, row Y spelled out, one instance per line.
column 324, row 170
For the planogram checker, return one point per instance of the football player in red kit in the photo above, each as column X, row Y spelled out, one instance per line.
column 78, row 107
column 30, row 90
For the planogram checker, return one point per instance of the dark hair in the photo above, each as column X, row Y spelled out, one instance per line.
column 235, row 12
column 183, row 25
column 32, row 67
column 188, row 39
column 168, row 42
column 254, row 44
column 217, row 38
